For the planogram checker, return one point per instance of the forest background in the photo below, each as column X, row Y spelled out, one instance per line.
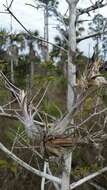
column 39, row 67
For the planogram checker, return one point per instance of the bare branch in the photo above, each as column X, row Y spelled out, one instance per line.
column 32, row 148
column 98, row 187
column 28, row 167
column 11, row 4
column 49, row 171
column 9, row 116
column 38, row 38
column 4, row 12
column 97, row 5
column 36, row 7
column 43, row 178
column 91, row 36
column 62, row 124
column 88, row 178
column 15, row 139
column 60, row 18
column 91, row 116
column 9, row 103
column 26, row 117
column 41, row 100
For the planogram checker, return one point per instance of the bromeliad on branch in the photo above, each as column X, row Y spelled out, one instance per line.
column 92, row 76
column 50, row 141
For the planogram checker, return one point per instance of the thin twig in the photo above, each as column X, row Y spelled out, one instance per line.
column 98, row 187
column 15, row 139
column 91, row 36
column 10, row 4
column 3, row 12
column 91, row 8
column 49, row 171
column 91, row 116
column 40, row 100
column 87, row 178
column 38, row 38
column 27, row 166
column 9, row 103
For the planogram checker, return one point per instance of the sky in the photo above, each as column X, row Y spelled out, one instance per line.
column 33, row 19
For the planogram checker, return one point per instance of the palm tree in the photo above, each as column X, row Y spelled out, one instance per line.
column 32, row 55
column 48, row 6
column 17, row 43
column 3, row 46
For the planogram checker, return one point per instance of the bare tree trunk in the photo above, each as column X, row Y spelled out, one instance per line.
column 12, row 70
column 32, row 69
column 43, row 178
column 67, row 171
column 46, row 33
column 71, row 56
column 71, row 85
column 31, row 74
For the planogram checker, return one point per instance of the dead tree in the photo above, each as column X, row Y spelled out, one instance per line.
column 54, row 141
column 60, row 138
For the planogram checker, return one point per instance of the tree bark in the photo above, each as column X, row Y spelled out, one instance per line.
column 31, row 75
column 46, row 33
column 12, row 70
column 71, row 85
column 71, row 56
column 43, row 178
column 67, row 171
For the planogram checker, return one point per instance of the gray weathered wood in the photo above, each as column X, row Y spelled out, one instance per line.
column 71, row 85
